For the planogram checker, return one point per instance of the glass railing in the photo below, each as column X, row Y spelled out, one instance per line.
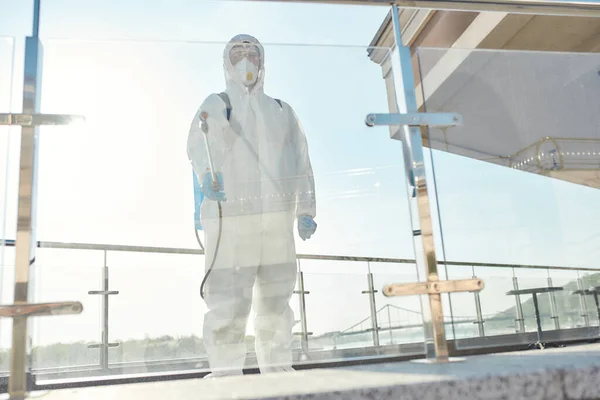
column 124, row 178
column 518, row 181
column 352, row 326
column 515, row 190
column 8, row 195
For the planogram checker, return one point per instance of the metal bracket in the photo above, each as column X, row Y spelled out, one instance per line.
column 39, row 119
column 104, row 292
column 415, row 119
column 102, row 345
column 302, row 333
column 413, row 289
column 369, row 291
column 40, row 309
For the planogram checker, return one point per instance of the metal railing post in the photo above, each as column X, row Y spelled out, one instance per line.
column 518, row 307
column 582, row 303
column 390, row 324
column 553, row 308
column 373, row 306
column 304, row 334
column 104, row 344
column 480, row 321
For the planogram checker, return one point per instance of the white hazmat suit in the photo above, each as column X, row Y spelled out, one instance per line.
column 262, row 154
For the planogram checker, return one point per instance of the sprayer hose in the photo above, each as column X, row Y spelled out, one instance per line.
column 214, row 259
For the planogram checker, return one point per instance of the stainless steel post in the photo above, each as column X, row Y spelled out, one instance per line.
column 105, row 292
column 105, row 283
column 520, row 319
column 480, row 320
column 25, row 245
column 553, row 308
column 583, row 304
column 436, row 347
column 390, row 324
column 373, row 306
column 302, row 299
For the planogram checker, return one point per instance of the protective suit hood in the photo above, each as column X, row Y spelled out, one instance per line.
column 230, row 70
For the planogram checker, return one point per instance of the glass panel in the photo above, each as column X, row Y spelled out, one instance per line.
column 400, row 319
column 462, row 317
column 134, row 189
column 498, row 309
column 567, row 303
column 66, row 275
column 330, row 294
column 8, row 192
column 519, row 179
column 156, row 287
column 590, row 280
column 535, row 279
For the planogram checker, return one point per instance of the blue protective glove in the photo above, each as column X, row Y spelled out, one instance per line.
column 306, row 227
column 213, row 191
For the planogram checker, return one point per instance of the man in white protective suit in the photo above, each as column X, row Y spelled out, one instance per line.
column 265, row 183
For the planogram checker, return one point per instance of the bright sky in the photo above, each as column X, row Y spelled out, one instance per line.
column 138, row 71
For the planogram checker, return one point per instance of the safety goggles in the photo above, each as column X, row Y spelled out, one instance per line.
column 239, row 52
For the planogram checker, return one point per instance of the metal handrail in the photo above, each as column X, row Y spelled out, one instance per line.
column 579, row 8
column 325, row 257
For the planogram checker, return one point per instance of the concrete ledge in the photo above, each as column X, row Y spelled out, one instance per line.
column 566, row 373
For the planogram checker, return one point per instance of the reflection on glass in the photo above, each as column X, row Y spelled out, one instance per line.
column 511, row 101
column 518, row 182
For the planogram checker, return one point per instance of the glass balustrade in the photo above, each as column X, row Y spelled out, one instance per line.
column 516, row 183
column 514, row 194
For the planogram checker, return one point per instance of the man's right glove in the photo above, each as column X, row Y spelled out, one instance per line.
column 213, row 190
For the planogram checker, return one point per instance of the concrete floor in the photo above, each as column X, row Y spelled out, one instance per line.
column 564, row 373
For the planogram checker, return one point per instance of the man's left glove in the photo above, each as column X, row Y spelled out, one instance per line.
column 306, row 227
